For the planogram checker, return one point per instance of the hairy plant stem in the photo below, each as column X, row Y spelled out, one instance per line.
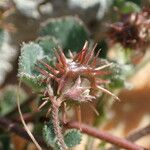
column 57, row 128
column 55, row 107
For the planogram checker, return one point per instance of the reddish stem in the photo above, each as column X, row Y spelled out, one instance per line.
column 123, row 143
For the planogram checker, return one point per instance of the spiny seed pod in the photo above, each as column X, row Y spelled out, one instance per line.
column 76, row 78
column 133, row 31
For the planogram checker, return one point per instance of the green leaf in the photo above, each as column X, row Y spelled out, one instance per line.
column 8, row 97
column 48, row 43
column 102, row 145
column 72, row 137
column 138, row 2
column 57, row 147
column 130, row 7
column 5, row 142
column 118, row 3
column 48, row 134
column 120, row 72
column 1, row 37
column 30, row 53
column 116, row 77
column 32, row 81
column 70, row 32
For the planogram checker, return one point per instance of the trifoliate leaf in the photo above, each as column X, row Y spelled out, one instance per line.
column 72, row 137
column 8, row 97
column 48, row 134
column 30, row 53
column 70, row 32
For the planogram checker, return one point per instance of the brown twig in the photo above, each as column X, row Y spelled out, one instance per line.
column 8, row 125
column 136, row 135
column 123, row 143
column 139, row 134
